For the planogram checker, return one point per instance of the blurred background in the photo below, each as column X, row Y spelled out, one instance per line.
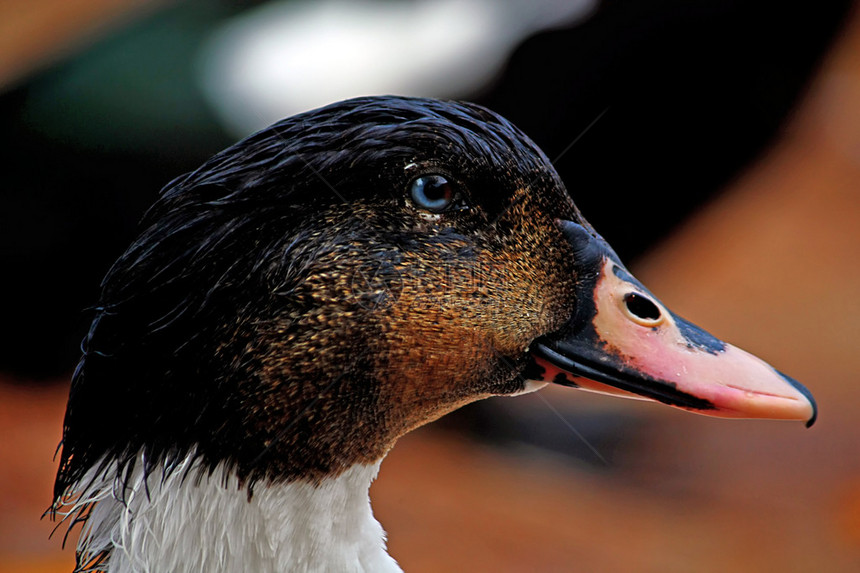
column 714, row 143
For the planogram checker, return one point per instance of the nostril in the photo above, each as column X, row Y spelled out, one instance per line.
column 642, row 307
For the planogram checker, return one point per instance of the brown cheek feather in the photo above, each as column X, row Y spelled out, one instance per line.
column 315, row 379
column 358, row 368
column 458, row 330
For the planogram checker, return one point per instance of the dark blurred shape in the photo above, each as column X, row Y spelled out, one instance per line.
column 87, row 145
column 694, row 91
column 592, row 438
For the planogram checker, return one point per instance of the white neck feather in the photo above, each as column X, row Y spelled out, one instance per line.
column 196, row 522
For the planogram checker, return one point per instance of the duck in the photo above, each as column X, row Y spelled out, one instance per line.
column 319, row 289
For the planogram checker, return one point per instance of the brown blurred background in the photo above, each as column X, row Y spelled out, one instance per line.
column 726, row 169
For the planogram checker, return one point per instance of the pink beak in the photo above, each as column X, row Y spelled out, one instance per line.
column 623, row 341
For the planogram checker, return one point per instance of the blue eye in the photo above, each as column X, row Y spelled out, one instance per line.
column 432, row 192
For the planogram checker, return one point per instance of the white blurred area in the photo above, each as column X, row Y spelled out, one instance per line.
column 291, row 56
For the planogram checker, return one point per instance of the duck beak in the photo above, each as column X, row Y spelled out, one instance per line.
column 621, row 340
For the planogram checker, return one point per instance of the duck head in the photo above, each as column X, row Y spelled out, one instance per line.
column 324, row 286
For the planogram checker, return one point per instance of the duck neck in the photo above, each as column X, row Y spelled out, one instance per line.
column 195, row 521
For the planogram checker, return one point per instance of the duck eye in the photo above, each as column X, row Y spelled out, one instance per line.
column 432, row 192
